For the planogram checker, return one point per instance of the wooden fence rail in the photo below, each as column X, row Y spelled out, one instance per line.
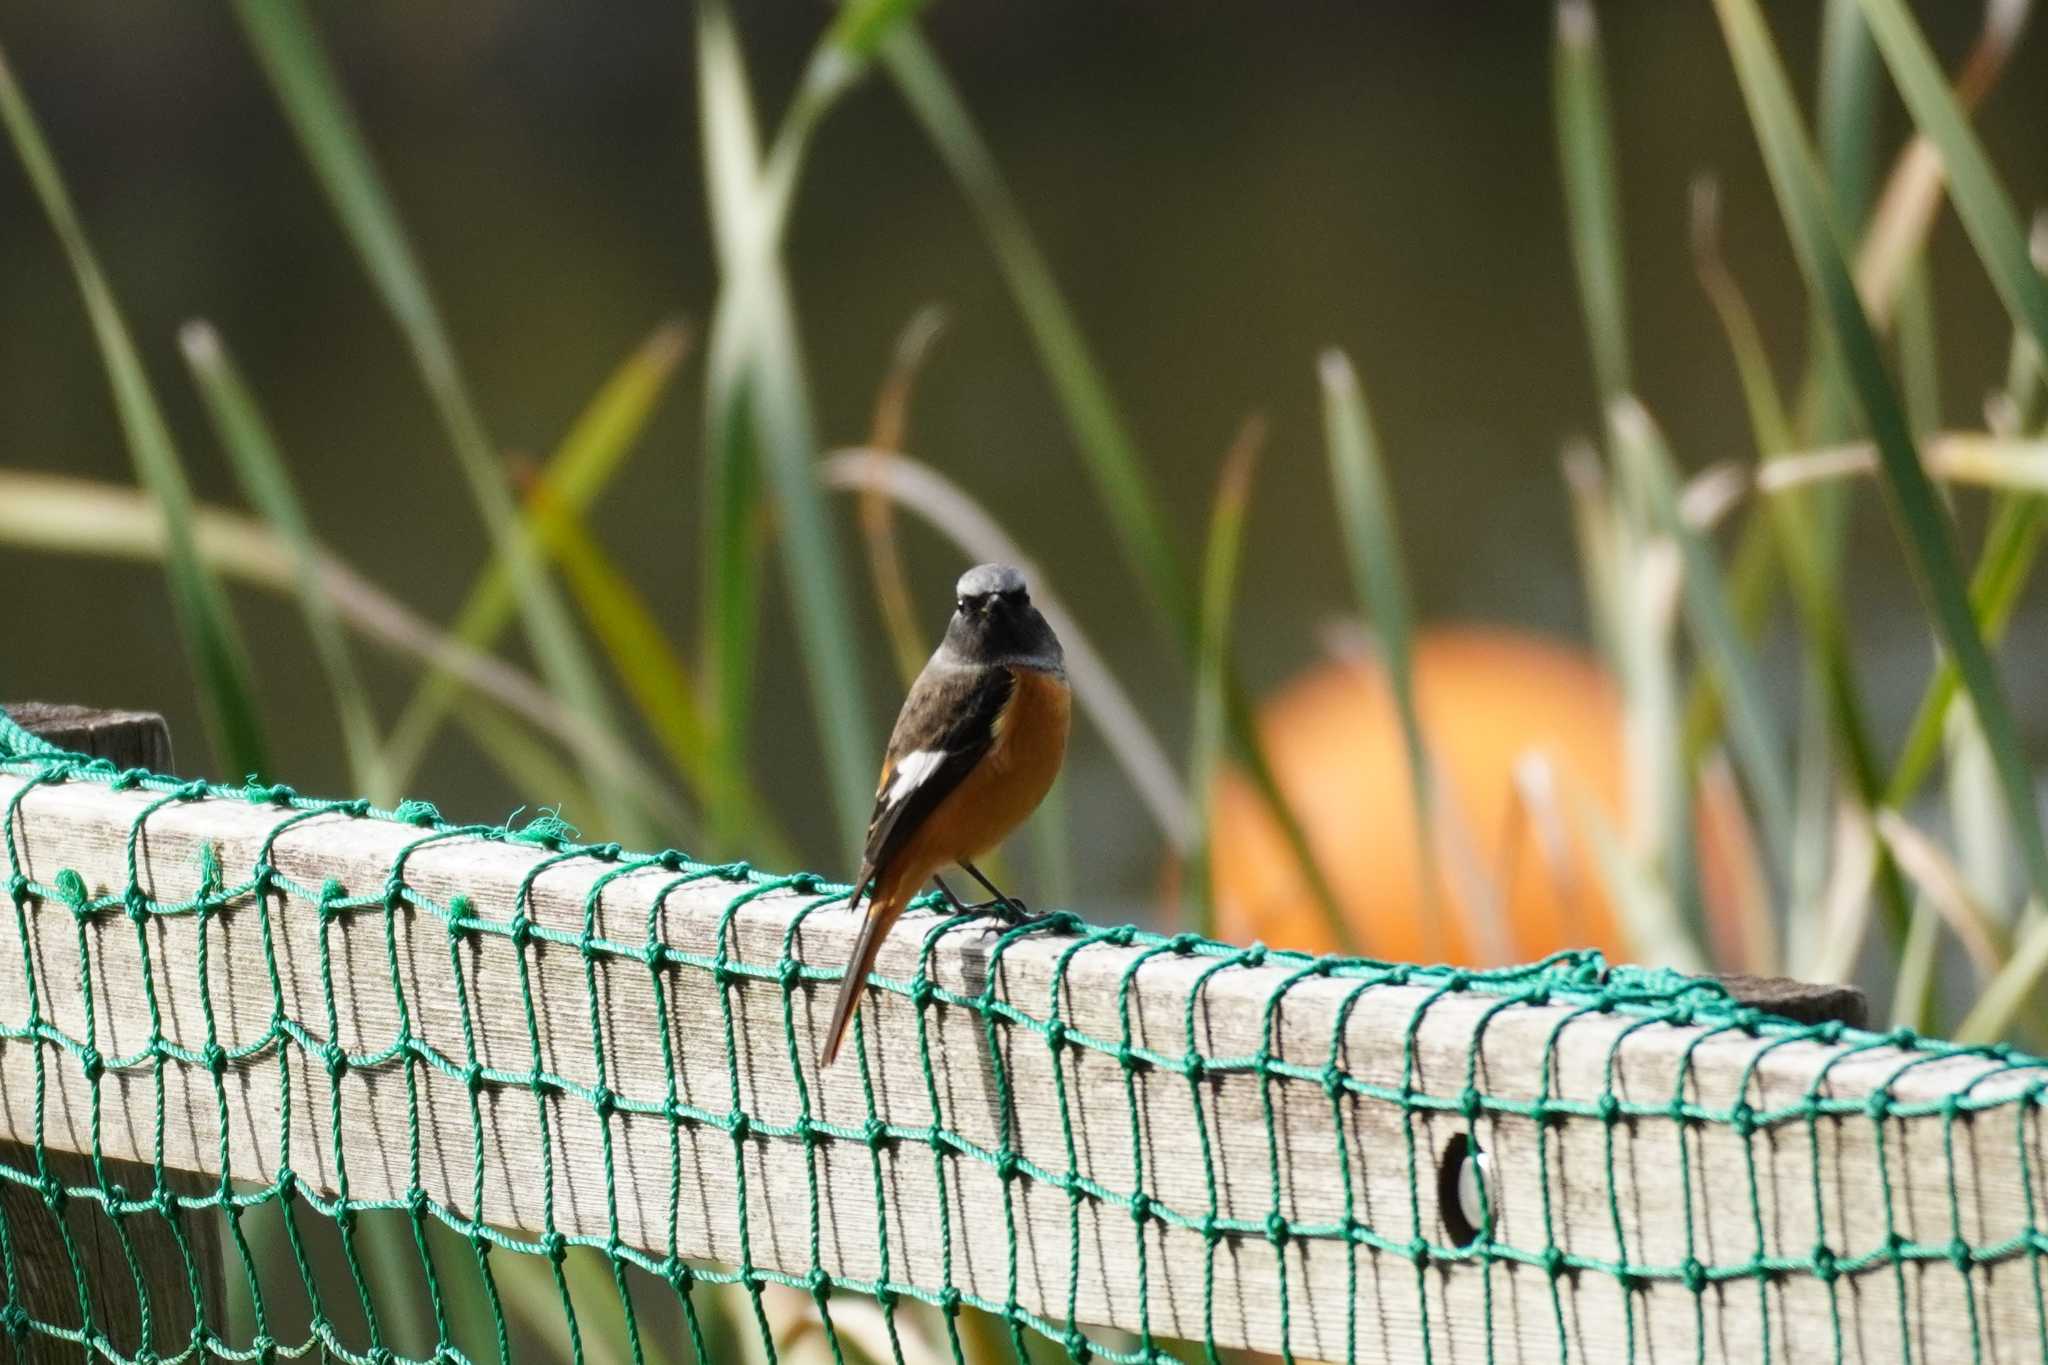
column 1659, row 1187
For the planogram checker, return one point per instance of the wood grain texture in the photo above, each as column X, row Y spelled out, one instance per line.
column 132, row 739
column 1650, row 1190
column 162, row 1273
column 1801, row 1001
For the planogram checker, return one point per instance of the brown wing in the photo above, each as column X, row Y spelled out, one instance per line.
column 947, row 723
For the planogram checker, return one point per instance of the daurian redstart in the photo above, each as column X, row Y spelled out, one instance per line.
column 975, row 749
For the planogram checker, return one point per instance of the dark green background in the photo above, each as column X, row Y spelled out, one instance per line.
column 1223, row 190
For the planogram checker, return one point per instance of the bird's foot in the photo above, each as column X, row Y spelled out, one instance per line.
column 1010, row 912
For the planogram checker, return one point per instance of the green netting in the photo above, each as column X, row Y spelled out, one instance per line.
column 654, row 1302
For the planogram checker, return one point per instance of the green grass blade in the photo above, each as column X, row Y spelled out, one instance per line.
column 655, row 676
column 1365, row 508
column 1753, row 575
column 729, row 608
column 1919, row 953
column 1659, row 795
column 815, row 567
column 1585, row 153
column 2024, row 374
column 1099, row 429
column 282, row 36
column 1365, row 513
column 1995, row 228
column 1976, row 814
column 1752, row 587
column 1847, row 117
column 1803, row 550
column 252, row 448
column 860, row 27
column 592, row 451
column 2013, row 540
column 1919, row 356
column 1813, row 797
column 1596, row 538
column 2010, row 547
column 643, row 656
column 734, row 518
column 2007, row 995
column 1893, row 236
column 206, row 622
column 749, row 203
column 610, row 425
column 1897, row 230
column 1770, row 425
column 1637, row 442
column 757, row 361
column 1632, row 579
column 2004, row 561
column 1219, row 593
column 1916, row 508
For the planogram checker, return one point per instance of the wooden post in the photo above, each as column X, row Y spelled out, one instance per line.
column 1259, row 1152
column 49, row 1276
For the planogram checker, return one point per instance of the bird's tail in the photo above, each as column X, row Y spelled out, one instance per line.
column 883, row 907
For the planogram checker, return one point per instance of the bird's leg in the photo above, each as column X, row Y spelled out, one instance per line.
column 1004, row 908
column 960, row 907
column 1011, row 910
column 998, row 907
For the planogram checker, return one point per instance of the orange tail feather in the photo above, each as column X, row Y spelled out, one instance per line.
column 883, row 908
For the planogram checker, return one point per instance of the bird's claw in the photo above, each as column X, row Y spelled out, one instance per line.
column 1016, row 916
column 1007, row 911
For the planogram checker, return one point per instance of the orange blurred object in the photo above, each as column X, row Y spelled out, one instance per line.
column 1486, row 698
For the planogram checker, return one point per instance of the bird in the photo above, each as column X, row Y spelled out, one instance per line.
column 976, row 747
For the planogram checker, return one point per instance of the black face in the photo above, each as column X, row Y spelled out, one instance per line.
column 1000, row 624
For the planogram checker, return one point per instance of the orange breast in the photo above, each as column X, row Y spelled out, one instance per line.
column 1011, row 779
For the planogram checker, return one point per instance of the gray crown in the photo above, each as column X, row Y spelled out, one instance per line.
column 983, row 579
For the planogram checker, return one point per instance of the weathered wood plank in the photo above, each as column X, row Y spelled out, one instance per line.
column 161, row 1273
column 1802, row 1002
column 132, row 739
column 1252, row 1135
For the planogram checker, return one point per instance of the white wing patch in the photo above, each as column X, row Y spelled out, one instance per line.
column 911, row 771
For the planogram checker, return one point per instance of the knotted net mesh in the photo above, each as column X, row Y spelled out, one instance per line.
column 236, row 1092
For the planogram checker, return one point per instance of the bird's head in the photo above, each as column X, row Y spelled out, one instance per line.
column 994, row 621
